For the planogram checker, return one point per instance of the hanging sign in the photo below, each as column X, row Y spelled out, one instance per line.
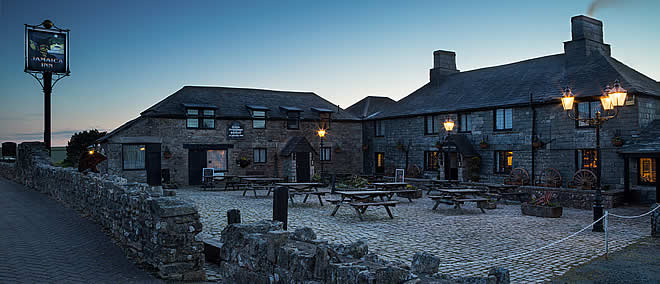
column 46, row 50
column 235, row 130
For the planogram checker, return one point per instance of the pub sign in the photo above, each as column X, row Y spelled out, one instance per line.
column 46, row 50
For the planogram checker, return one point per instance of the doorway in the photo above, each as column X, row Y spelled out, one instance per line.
column 451, row 165
column 302, row 167
column 152, row 164
column 380, row 163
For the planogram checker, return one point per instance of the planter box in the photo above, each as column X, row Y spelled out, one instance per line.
column 541, row 211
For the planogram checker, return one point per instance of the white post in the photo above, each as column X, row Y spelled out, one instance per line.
column 607, row 248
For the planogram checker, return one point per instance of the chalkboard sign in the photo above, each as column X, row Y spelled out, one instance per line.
column 235, row 130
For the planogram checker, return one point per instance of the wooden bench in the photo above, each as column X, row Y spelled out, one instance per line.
column 317, row 193
column 361, row 207
column 481, row 202
column 446, row 199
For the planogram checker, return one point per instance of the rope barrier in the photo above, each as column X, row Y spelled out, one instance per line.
column 532, row 251
column 638, row 216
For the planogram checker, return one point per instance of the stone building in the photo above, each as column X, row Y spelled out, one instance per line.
column 508, row 107
column 235, row 131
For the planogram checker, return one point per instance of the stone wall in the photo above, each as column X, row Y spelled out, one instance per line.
column 576, row 198
column 655, row 222
column 155, row 231
column 263, row 253
column 8, row 170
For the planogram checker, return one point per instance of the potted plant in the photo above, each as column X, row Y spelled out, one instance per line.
column 243, row 162
column 617, row 141
column 542, row 207
column 483, row 144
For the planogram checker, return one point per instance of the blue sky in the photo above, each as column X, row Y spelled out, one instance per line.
column 128, row 55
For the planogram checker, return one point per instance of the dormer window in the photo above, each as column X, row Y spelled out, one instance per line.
column 258, row 119
column 325, row 115
column 200, row 118
column 293, row 120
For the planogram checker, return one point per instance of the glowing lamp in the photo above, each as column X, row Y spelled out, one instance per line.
column 141, row 148
column 617, row 94
column 91, row 151
column 449, row 125
column 321, row 133
column 568, row 99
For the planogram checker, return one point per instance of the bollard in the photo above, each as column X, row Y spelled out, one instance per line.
column 281, row 205
column 233, row 216
column 334, row 178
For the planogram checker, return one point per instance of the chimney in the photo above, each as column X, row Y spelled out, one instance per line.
column 587, row 38
column 444, row 64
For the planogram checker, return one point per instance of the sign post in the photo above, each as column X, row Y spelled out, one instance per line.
column 46, row 53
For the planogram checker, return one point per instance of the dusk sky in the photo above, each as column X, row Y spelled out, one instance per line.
column 126, row 56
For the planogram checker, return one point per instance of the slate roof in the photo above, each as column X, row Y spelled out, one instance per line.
column 233, row 103
column 512, row 84
column 369, row 106
column 647, row 143
column 120, row 128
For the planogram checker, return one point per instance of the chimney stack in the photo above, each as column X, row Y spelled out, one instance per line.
column 444, row 64
column 587, row 38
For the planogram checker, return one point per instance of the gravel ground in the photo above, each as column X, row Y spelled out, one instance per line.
column 637, row 263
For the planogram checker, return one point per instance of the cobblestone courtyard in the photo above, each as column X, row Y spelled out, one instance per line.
column 468, row 241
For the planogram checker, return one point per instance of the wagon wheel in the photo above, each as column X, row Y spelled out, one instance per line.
column 413, row 171
column 519, row 176
column 585, row 179
column 550, row 177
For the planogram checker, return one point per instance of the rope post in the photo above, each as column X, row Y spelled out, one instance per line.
column 607, row 247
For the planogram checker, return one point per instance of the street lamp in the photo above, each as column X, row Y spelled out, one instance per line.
column 321, row 132
column 449, row 125
column 610, row 99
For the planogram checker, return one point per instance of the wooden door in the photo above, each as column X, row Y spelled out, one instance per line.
column 302, row 167
column 451, row 166
column 196, row 162
column 152, row 164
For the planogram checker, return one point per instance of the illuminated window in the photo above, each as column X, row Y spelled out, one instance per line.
column 431, row 160
column 587, row 159
column 503, row 161
column 133, row 156
column 217, row 159
column 647, row 172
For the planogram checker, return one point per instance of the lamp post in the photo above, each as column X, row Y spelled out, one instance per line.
column 449, row 126
column 321, row 132
column 612, row 97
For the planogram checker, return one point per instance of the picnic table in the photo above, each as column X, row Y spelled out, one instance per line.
column 458, row 196
column 441, row 183
column 300, row 188
column 505, row 190
column 361, row 200
column 236, row 182
column 260, row 182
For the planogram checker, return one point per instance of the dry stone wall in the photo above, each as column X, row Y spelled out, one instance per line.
column 8, row 170
column 155, row 231
column 263, row 253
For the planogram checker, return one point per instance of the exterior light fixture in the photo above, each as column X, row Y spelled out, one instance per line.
column 91, row 151
column 321, row 133
column 568, row 99
column 141, row 148
column 449, row 125
column 606, row 102
column 617, row 94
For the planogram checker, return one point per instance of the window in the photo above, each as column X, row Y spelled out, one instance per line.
column 380, row 128
column 293, row 120
column 503, row 119
column 325, row 120
column 431, row 160
column 503, row 161
column 133, row 156
column 260, row 155
column 587, row 159
column 217, row 159
column 200, row 118
column 325, row 154
column 380, row 163
column 647, row 171
column 258, row 119
column 465, row 122
column 587, row 110
column 431, row 124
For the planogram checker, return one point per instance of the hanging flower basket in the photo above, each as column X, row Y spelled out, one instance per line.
column 483, row 145
column 243, row 162
column 617, row 141
column 538, row 144
column 167, row 155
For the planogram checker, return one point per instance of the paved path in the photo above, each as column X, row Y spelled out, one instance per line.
column 456, row 236
column 638, row 263
column 41, row 241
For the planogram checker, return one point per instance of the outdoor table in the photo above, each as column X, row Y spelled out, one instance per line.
column 264, row 182
column 441, row 183
column 361, row 200
column 389, row 185
column 236, row 182
column 457, row 196
column 301, row 188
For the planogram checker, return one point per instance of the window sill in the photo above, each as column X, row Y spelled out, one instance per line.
column 133, row 170
column 505, row 131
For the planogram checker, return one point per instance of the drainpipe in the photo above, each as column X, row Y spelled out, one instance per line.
column 531, row 105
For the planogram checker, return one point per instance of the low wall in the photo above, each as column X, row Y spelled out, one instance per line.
column 263, row 253
column 152, row 230
column 8, row 170
column 577, row 198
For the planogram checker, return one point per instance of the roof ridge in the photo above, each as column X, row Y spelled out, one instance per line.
column 249, row 89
